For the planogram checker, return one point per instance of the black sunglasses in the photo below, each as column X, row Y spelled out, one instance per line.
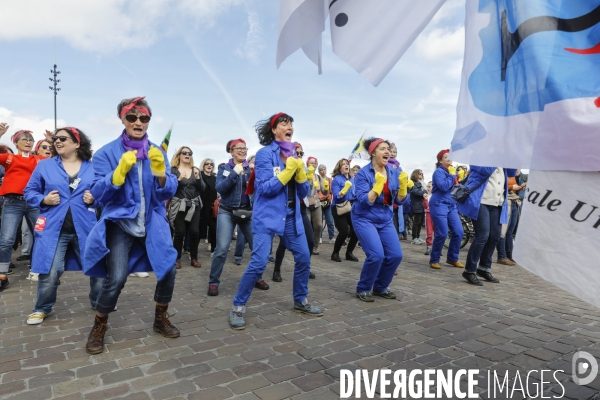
column 144, row 119
column 61, row 138
column 187, row 153
column 300, row 153
column 46, row 147
column 209, row 163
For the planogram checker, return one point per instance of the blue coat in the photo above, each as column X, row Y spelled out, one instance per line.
column 270, row 195
column 337, row 185
column 375, row 212
column 441, row 185
column 50, row 175
column 123, row 202
column 229, row 186
column 478, row 176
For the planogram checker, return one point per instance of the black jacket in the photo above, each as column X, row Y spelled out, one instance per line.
column 416, row 198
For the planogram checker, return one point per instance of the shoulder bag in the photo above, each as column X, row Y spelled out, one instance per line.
column 460, row 192
column 343, row 208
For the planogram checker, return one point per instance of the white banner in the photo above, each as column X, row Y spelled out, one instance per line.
column 558, row 237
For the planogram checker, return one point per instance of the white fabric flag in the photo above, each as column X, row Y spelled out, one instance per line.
column 371, row 36
column 301, row 24
column 529, row 96
column 559, row 231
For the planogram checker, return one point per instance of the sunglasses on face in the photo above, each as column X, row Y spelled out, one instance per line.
column 209, row 164
column 187, row 153
column 61, row 138
column 46, row 147
column 144, row 119
column 300, row 153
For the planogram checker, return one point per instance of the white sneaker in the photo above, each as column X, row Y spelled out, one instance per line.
column 140, row 274
column 205, row 240
column 36, row 318
column 320, row 241
column 208, row 248
column 33, row 276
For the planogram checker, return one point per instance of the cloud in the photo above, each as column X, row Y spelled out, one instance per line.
column 254, row 45
column 107, row 26
column 441, row 43
column 26, row 120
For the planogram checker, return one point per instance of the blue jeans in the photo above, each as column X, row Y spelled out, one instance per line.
column 260, row 256
column 384, row 254
column 505, row 244
column 487, row 233
column 445, row 216
column 225, row 226
column 13, row 212
column 119, row 243
column 328, row 218
column 48, row 283
column 240, row 245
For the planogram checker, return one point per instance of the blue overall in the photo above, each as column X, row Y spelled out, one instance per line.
column 444, row 215
column 272, row 216
column 375, row 229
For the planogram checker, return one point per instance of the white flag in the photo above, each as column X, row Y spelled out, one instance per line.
column 301, row 23
column 530, row 86
column 371, row 36
column 559, row 231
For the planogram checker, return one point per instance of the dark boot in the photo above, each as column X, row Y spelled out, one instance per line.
column 351, row 257
column 336, row 257
column 277, row 274
column 162, row 324
column 95, row 343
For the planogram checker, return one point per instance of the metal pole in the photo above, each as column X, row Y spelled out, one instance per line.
column 55, row 89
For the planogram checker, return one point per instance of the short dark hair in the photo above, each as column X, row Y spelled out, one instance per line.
column 263, row 128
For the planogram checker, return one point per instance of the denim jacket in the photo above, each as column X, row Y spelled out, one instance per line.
column 229, row 186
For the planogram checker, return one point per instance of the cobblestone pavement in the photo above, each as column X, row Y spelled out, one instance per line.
column 438, row 321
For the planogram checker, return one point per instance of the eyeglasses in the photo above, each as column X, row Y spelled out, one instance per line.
column 26, row 140
column 187, row 153
column 144, row 119
column 240, row 148
column 420, row 173
column 61, row 138
column 300, row 153
column 209, row 164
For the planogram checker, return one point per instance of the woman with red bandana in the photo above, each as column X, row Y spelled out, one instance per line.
column 19, row 168
column 444, row 214
column 44, row 148
column 377, row 187
column 132, row 183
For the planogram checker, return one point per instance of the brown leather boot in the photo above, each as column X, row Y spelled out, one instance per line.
column 162, row 324
column 95, row 343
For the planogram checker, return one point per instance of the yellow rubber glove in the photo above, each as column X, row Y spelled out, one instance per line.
column 127, row 161
column 380, row 180
column 301, row 172
column 410, row 184
column 461, row 174
column 316, row 184
column 326, row 184
column 291, row 165
column 403, row 179
column 311, row 173
column 238, row 169
column 346, row 187
column 157, row 161
column 451, row 170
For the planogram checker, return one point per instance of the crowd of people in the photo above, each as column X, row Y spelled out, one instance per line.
column 128, row 211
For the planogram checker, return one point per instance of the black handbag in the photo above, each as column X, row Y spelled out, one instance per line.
column 460, row 192
column 240, row 215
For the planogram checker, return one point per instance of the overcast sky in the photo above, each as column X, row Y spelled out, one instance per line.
column 209, row 67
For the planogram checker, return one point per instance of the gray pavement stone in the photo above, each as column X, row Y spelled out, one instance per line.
column 439, row 322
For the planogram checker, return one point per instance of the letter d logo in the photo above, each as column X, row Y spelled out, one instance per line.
column 580, row 367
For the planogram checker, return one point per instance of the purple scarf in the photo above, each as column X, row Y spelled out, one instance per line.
column 140, row 145
column 288, row 149
column 392, row 162
column 232, row 164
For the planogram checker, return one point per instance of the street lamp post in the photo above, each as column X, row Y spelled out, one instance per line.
column 55, row 89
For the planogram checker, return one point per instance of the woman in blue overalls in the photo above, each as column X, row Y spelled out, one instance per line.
column 280, row 181
column 60, row 187
column 444, row 213
column 377, row 187
column 132, row 183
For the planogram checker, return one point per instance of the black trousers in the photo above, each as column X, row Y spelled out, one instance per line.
column 182, row 228
column 417, row 224
column 210, row 223
column 343, row 223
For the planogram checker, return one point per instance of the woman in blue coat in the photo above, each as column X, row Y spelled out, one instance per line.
column 280, row 181
column 487, row 206
column 442, row 208
column 377, row 187
column 132, row 184
column 60, row 187
column 342, row 190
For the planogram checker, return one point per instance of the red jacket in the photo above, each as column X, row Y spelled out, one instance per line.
column 18, row 172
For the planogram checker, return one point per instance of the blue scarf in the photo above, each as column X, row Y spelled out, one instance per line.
column 140, row 145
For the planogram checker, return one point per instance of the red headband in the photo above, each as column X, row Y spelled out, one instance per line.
column 311, row 158
column 441, row 154
column 38, row 144
column 297, row 144
column 374, row 145
column 73, row 131
column 274, row 119
column 132, row 105
column 234, row 142
column 15, row 137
